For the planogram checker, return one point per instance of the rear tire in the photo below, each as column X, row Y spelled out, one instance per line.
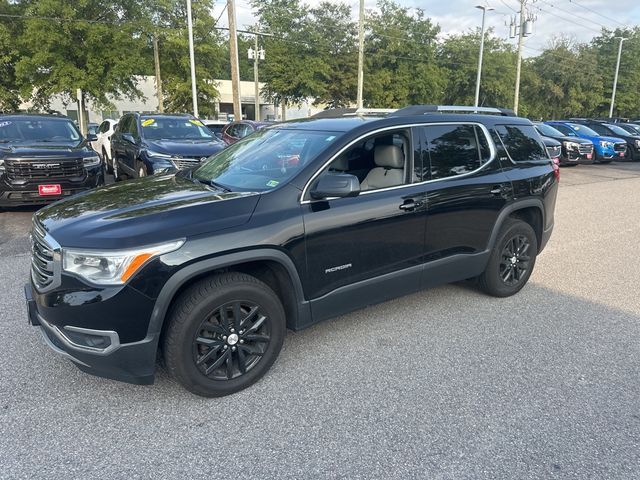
column 223, row 335
column 511, row 261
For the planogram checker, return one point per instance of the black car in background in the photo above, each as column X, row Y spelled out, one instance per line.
column 554, row 147
column 608, row 129
column 575, row 150
column 144, row 144
column 44, row 158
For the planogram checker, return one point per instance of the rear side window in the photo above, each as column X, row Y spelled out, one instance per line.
column 455, row 149
column 522, row 143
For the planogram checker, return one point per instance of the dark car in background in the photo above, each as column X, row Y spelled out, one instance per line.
column 44, row 158
column 606, row 148
column 554, row 148
column 574, row 149
column 147, row 144
column 235, row 131
column 613, row 130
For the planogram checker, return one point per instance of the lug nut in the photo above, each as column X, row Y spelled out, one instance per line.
column 232, row 330
column 241, row 341
column 224, row 337
column 233, row 349
column 226, row 346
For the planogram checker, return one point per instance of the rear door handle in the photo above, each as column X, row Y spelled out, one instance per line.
column 497, row 190
column 409, row 205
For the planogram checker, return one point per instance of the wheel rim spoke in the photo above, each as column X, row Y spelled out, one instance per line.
column 218, row 362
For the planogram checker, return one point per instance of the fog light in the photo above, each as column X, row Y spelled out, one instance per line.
column 86, row 339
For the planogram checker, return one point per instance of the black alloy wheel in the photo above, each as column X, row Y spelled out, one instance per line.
column 511, row 260
column 515, row 260
column 223, row 334
column 231, row 341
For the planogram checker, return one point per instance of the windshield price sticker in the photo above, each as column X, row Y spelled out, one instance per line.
column 197, row 122
column 148, row 121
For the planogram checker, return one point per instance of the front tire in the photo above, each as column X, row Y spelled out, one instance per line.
column 224, row 333
column 511, row 261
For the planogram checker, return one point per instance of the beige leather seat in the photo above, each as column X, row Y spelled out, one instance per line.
column 389, row 169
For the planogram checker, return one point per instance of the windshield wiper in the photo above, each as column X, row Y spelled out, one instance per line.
column 219, row 186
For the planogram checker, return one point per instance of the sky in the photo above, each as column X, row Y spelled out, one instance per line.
column 581, row 20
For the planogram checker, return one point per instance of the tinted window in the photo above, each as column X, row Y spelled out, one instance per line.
column 548, row 130
column 174, row 128
column 232, row 130
column 565, row 130
column 602, row 130
column 242, row 130
column 123, row 125
column 133, row 126
column 455, row 149
column 522, row 143
column 37, row 129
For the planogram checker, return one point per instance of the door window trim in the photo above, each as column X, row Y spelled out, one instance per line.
column 492, row 157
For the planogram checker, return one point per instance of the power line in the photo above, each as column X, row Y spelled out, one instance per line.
column 574, row 14
column 573, row 2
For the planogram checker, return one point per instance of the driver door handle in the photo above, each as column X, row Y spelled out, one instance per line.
column 408, row 206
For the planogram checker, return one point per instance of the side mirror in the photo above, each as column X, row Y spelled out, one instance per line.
column 336, row 185
column 91, row 137
column 128, row 138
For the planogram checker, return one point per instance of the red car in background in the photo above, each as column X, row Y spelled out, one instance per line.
column 234, row 131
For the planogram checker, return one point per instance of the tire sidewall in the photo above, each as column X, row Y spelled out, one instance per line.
column 492, row 274
column 186, row 368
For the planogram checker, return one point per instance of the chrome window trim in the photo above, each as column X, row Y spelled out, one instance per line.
column 492, row 157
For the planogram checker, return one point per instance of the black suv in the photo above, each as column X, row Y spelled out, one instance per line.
column 294, row 224
column 146, row 144
column 44, row 158
column 574, row 150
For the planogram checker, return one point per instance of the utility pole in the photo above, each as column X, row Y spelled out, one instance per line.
column 256, row 57
column 156, row 59
column 360, row 54
column 194, row 91
column 615, row 78
column 484, row 13
column 235, row 63
column 516, row 101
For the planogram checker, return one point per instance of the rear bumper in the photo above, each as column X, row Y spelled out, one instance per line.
column 129, row 362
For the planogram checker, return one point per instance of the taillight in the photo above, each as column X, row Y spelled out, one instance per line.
column 556, row 168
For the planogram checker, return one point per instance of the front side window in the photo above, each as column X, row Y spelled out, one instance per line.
column 455, row 149
column 522, row 142
column 582, row 130
column 265, row 160
column 37, row 130
column 174, row 128
column 565, row 130
column 379, row 161
column 548, row 130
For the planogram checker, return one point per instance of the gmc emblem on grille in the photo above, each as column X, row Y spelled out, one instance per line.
column 45, row 165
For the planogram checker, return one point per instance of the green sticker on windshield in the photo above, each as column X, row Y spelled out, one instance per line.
column 272, row 183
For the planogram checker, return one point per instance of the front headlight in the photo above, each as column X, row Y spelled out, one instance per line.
column 571, row 145
column 606, row 144
column 91, row 161
column 151, row 153
column 112, row 267
column 637, row 146
column 1, row 166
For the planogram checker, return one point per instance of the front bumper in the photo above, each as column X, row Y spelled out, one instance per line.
column 98, row 352
column 16, row 194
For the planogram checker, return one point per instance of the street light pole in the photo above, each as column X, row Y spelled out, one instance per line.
column 256, row 57
column 516, row 101
column 360, row 55
column 235, row 63
column 194, row 91
column 615, row 78
column 484, row 13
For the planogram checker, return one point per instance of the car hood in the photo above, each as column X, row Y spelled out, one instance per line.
column 186, row 148
column 146, row 211
column 43, row 149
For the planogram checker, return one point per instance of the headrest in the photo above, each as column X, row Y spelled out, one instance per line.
column 341, row 163
column 390, row 156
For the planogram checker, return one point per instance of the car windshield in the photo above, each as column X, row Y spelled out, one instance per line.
column 631, row 128
column 584, row 130
column 27, row 130
column 549, row 131
column 174, row 128
column 617, row 130
column 264, row 160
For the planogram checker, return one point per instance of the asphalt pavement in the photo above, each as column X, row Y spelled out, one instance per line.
column 443, row 384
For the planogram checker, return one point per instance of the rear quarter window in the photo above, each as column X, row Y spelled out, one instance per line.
column 522, row 143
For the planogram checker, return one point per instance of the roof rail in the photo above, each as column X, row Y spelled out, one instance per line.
column 425, row 109
column 352, row 112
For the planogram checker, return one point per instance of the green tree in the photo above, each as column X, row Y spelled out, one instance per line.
column 93, row 47
column 9, row 55
column 400, row 58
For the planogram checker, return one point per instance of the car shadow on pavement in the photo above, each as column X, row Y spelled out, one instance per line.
column 452, row 379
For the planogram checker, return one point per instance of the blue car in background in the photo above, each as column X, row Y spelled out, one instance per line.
column 605, row 149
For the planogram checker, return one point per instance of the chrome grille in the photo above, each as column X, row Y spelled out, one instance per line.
column 44, row 258
column 44, row 169
column 182, row 163
column 585, row 148
column 620, row 147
